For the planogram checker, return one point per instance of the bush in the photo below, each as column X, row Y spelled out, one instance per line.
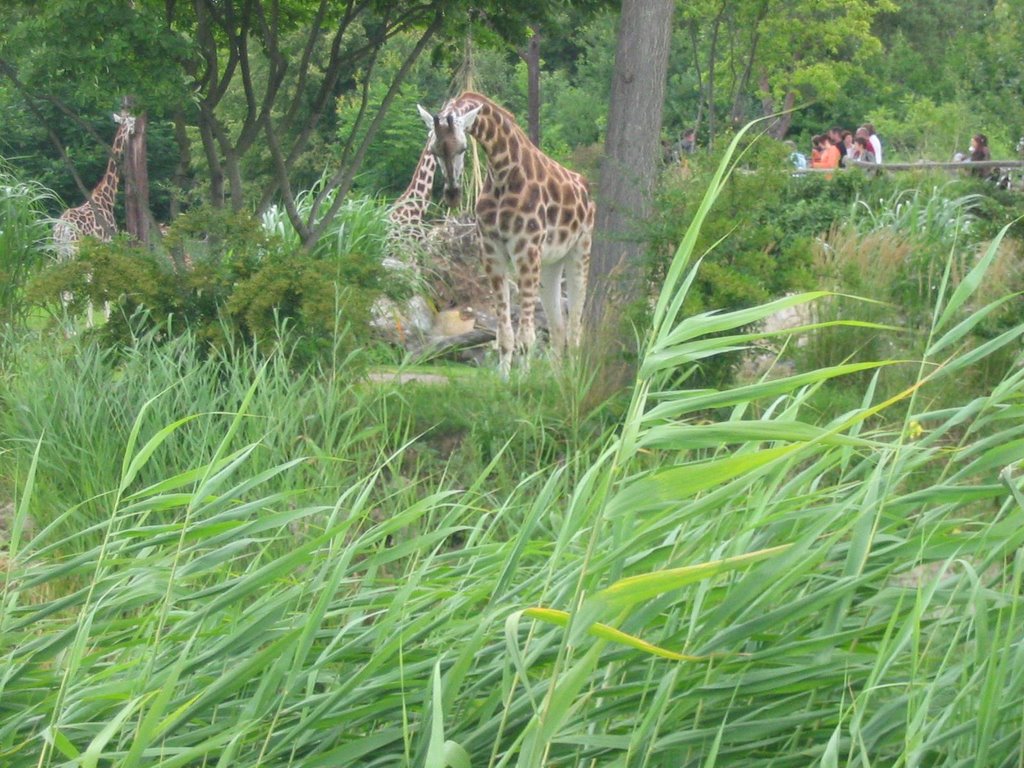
column 230, row 278
column 901, row 254
column 24, row 229
column 772, row 223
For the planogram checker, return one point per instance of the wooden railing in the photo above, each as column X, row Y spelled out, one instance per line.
column 921, row 165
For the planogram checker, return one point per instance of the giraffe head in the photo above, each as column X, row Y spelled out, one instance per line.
column 125, row 128
column 125, row 120
column 449, row 147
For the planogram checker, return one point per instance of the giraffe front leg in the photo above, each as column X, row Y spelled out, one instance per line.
column 495, row 268
column 528, row 274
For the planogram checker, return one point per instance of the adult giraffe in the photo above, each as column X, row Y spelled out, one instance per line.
column 534, row 218
column 95, row 217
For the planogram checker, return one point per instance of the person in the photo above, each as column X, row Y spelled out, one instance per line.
column 828, row 154
column 981, row 153
column 816, row 150
column 688, row 144
column 835, row 135
column 863, row 151
column 797, row 158
column 876, row 143
column 979, row 148
column 848, row 142
column 865, row 132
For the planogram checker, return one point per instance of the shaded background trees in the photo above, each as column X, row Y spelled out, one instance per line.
column 250, row 102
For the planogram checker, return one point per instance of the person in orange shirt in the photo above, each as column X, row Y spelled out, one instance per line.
column 829, row 155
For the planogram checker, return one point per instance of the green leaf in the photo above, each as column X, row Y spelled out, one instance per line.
column 973, row 279
column 631, row 590
column 606, row 632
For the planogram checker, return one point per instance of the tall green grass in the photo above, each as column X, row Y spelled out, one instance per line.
column 727, row 578
column 24, row 236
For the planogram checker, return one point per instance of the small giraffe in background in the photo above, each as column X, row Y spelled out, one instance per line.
column 95, row 217
column 535, row 219
column 407, row 233
column 408, row 210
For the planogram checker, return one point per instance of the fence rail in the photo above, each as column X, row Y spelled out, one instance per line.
column 922, row 165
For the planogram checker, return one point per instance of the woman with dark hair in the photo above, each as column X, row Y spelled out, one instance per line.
column 979, row 148
column 863, row 151
column 980, row 153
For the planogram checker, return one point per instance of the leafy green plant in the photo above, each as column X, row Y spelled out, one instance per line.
column 937, row 224
column 24, row 231
column 230, row 279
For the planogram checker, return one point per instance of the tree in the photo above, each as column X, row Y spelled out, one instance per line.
column 236, row 76
column 778, row 53
column 632, row 156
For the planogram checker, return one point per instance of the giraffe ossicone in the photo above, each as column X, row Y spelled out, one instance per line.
column 534, row 219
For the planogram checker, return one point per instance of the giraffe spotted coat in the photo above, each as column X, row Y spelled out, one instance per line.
column 535, row 220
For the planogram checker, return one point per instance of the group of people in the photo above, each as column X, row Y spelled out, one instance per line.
column 839, row 146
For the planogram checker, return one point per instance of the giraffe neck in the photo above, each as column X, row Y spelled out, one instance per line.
column 416, row 198
column 504, row 142
column 104, row 194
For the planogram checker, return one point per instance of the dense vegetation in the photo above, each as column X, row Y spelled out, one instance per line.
column 232, row 535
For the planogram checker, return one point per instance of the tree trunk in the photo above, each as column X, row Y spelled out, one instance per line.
column 181, row 179
column 783, row 116
column 136, row 184
column 712, row 58
column 630, row 166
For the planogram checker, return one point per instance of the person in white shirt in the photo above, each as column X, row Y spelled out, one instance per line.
column 876, row 143
column 867, row 132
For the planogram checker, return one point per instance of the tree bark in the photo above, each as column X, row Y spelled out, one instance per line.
column 630, row 166
column 779, row 125
column 136, row 183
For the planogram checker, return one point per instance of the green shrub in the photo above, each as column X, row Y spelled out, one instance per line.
column 24, row 233
column 231, row 278
column 900, row 254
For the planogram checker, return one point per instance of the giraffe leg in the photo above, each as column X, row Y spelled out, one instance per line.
column 494, row 264
column 528, row 273
column 551, row 300
column 576, row 287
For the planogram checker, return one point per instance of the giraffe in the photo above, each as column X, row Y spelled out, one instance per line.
column 408, row 210
column 406, row 219
column 534, row 218
column 95, row 217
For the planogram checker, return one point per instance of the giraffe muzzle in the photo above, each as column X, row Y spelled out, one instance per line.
column 453, row 196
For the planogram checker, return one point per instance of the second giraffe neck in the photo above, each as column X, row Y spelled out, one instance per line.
column 422, row 178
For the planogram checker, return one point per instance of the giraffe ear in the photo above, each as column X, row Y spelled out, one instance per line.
column 427, row 117
column 468, row 118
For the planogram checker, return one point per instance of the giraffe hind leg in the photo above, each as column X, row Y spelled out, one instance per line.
column 578, row 266
column 551, row 300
